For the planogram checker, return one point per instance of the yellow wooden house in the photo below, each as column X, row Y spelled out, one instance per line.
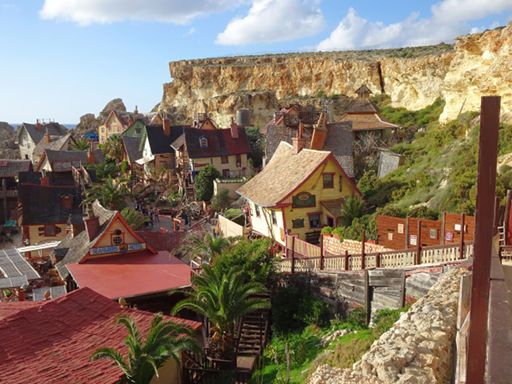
column 297, row 193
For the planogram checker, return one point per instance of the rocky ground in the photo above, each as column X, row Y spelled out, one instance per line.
column 416, row 350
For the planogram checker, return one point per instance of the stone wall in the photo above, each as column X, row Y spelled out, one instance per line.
column 417, row 349
column 333, row 246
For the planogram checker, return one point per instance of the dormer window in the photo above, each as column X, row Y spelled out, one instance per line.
column 117, row 237
column 203, row 142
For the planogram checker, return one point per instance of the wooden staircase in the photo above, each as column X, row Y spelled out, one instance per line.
column 502, row 235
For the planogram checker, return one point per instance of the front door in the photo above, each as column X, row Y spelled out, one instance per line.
column 330, row 221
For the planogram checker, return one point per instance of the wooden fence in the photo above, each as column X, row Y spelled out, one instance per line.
column 304, row 257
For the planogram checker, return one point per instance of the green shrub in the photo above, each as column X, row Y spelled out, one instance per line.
column 326, row 231
column 204, row 183
column 356, row 318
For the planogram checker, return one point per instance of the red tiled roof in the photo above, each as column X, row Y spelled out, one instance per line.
column 52, row 342
column 10, row 308
column 132, row 274
column 162, row 241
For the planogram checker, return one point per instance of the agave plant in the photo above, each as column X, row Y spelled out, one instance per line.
column 164, row 340
column 223, row 297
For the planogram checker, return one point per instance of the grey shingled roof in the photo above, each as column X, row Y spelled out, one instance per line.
column 11, row 168
column 37, row 131
column 73, row 249
column 71, row 158
column 57, row 144
column 15, row 271
column 132, row 147
column 285, row 172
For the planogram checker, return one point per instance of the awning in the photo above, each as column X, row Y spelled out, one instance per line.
column 333, row 207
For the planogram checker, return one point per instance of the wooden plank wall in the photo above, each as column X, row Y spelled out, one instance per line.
column 387, row 289
column 392, row 232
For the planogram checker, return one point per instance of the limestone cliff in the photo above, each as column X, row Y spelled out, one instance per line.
column 413, row 77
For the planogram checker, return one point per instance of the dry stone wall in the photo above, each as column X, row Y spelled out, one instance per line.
column 418, row 349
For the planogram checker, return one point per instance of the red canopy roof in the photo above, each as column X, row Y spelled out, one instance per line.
column 53, row 341
column 132, row 275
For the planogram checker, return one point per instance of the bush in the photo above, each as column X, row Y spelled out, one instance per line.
column 252, row 257
column 204, row 183
column 221, row 201
column 356, row 318
column 134, row 218
column 294, row 307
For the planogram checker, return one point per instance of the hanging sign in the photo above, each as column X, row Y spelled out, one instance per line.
column 117, row 248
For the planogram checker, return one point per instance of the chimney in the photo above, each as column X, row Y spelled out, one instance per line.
column 234, row 129
column 45, row 180
column 90, row 157
column 46, row 137
column 92, row 222
column 166, row 126
column 299, row 142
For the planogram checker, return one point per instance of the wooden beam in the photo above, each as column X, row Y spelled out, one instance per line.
column 484, row 228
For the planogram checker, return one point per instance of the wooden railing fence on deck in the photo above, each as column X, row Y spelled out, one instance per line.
column 305, row 257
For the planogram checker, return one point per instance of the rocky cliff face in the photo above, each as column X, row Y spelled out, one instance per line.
column 413, row 77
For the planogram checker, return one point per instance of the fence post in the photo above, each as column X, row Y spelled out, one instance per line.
column 293, row 255
column 368, row 297
column 462, row 224
column 321, row 252
column 443, row 229
column 363, row 254
column 346, row 260
column 418, row 244
column 407, row 232
column 377, row 260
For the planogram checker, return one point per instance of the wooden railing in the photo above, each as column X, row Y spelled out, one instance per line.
column 298, row 260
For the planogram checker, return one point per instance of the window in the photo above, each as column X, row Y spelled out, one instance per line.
column 257, row 209
column 225, row 173
column 314, row 220
column 328, row 180
column 400, row 228
column 274, row 218
column 137, row 131
column 238, row 161
column 341, row 183
column 203, row 142
column 390, row 235
column 224, row 159
column 117, row 237
column 51, row 230
column 298, row 223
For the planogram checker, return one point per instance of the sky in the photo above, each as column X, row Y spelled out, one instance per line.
column 60, row 59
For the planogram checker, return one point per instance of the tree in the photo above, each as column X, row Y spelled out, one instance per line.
column 204, row 183
column 352, row 208
column 80, row 145
column 221, row 201
column 165, row 339
column 257, row 144
column 112, row 195
column 113, row 148
column 208, row 247
column 224, row 298
column 134, row 218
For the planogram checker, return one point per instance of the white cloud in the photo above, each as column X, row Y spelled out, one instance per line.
column 271, row 21
column 85, row 12
column 448, row 19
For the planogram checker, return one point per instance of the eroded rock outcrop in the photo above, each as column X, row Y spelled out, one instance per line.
column 417, row 349
column 479, row 64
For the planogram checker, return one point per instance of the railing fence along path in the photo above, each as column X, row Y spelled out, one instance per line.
column 301, row 256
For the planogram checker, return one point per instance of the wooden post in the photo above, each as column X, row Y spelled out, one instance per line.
column 486, row 191
column 443, row 229
column 507, row 217
column 368, row 297
column 293, row 255
column 496, row 214
column 346, row 260
column 321, row 252
column 418, row 244
column 377, row 260
column 462, row 224
column 363, row 254
column 407, row 232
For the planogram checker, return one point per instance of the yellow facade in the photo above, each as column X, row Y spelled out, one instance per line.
column 231, row 168
column 36, row 234
column 111, row 127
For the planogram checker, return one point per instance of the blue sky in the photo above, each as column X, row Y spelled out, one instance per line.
column 63, row 58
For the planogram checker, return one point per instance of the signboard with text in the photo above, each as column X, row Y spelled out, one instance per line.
column 117, row 248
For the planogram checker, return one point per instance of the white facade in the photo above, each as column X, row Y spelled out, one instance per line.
column 26, row 145
column 266, row 225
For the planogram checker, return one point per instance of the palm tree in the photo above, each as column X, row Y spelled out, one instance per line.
column 165, row 339
column 205, row 248
column 111, row 194
column 80, row 145
column 134, row 218
column 224, row 298
column 113, row 148
column 352, row 208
